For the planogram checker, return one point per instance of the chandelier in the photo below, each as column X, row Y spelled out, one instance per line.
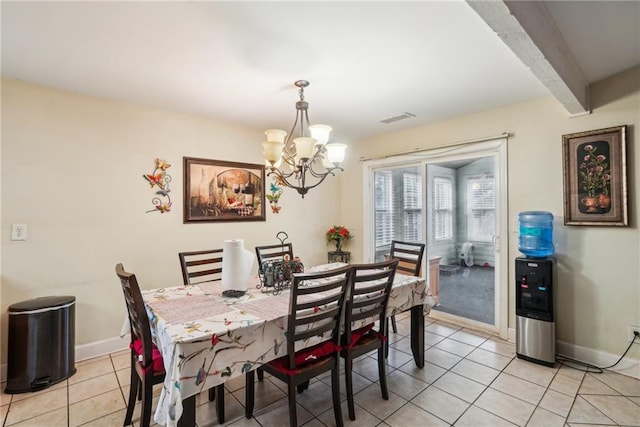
column 304, row 161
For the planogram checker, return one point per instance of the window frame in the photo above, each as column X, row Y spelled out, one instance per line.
column 488, row 212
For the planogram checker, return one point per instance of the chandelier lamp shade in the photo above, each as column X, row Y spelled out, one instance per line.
column 302, row 162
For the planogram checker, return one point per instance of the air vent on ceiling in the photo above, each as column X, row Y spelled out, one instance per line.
column 399, row 117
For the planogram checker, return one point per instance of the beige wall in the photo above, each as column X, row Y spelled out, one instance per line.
column 72, row 171
column 598, row 273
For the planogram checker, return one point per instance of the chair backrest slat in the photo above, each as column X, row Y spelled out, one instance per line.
column 316, row 306
column 410, row 256
column 201, row 266
column 273, row 253
column 359, row 303
column 138, row 318
column 317, row 302
column 369, row 295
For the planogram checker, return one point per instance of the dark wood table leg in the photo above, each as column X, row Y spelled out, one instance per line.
column 188, row 418
column 417, row 334
column 220, row 403
column 249, row 393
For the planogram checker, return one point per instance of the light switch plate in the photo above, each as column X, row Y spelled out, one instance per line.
column 19, row 232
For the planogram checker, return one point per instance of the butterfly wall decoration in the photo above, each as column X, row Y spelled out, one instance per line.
column 273, row 198
column 160, row 178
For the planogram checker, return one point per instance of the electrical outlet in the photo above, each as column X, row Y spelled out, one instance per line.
column 630, row 330
column 19, row 232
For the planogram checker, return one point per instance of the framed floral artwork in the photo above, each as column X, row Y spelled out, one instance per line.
column 595, row 177
column 219, row 191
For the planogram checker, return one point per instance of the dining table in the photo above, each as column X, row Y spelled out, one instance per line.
column 207, row 338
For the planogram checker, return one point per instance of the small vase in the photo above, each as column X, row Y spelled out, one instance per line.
column 604, row 201
column 338, row 245
column 591, row 203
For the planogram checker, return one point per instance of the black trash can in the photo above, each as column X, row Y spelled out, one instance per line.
column 41, row 343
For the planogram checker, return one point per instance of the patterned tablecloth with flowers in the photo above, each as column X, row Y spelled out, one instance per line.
column 206, row 338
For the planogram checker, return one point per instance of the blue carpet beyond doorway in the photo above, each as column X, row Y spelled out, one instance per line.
column 468, row 292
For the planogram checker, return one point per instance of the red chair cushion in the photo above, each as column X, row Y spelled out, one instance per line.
column 156, row 356
column 359, row 333
column 305, row 357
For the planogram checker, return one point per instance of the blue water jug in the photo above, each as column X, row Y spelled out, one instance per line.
column 535, row 238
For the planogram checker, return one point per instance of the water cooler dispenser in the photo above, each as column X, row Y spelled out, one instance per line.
column 535, row 324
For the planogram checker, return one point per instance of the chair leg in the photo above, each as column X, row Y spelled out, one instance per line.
column 393, row 324
column 212, row 394
column 385, row 331
column 348, row 374
column 382, row 373
column 249, row 394
column 335, row 393
column 260, row 374
column 293, row 413
column 219, row 390
column 302, row 387
column 134, row 386
column 147, row 397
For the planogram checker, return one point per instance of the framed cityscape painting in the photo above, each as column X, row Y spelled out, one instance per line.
column 595, row 177
column 216, row 190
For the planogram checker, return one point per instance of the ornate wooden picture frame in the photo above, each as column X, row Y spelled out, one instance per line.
column 595, row 177
column 219, row 191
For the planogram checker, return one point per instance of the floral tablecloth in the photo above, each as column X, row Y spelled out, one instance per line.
column 206, row 338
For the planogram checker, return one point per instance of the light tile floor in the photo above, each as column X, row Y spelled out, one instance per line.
column 469, row 379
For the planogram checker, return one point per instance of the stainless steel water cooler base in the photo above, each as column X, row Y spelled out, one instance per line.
column 536, row 340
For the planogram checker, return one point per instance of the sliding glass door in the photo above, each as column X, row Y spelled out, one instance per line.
column 461, row 236
column 454, row 201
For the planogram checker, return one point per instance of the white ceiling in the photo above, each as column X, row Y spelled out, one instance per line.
column 237, row 61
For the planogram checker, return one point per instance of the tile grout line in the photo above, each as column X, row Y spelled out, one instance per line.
column 483, row 391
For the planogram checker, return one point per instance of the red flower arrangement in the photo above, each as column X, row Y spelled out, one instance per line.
column 337, row 234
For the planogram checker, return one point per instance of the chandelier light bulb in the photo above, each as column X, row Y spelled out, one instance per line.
column 320, row 133
column 272, row 151
column 335, row 152
column 275, row 135
column 304, row 147
column 275, row 165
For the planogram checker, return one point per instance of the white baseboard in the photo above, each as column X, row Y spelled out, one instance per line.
column 88, row 351
column 100, row 348
column 627, row 366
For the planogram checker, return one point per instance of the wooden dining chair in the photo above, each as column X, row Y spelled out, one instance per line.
column 316, row 307
column 201, row 266
column 410, row 257
column 147, row 366
column 367, row 303
column 273, row 253
column 198, row 267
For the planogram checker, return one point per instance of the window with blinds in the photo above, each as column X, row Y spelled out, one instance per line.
column 412, row 215
column 442, row 208
column 398, row 207
column 481, row 208
column 383, row 208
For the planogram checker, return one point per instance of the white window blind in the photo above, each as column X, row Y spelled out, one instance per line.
column 412, row 188
column 383, row 208
column 481, row 208
column 442, row 208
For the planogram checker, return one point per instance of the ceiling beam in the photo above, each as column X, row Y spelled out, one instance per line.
column 529, row 31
